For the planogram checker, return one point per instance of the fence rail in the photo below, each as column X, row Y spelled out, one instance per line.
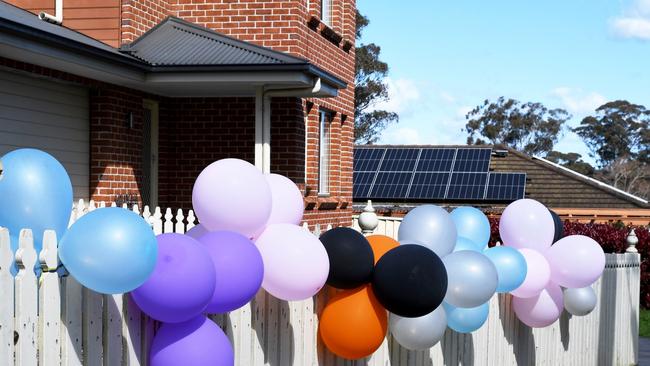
column 53, row 320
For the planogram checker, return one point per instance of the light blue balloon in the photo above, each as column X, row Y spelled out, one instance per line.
column 466, row 244
column 466, row 320
column 471, row 223
column 109, row 250
column 511, row 267
column 35, row 193
column 430, row 226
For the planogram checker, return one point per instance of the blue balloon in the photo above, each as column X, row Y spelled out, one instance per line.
column 109, row 250
column 466, row 320
column 35, row 193
column 511, row 267
column 471, row 223
column 466, row 244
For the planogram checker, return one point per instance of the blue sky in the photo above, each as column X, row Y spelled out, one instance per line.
column 446, row 57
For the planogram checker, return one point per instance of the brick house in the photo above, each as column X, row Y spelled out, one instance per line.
column 135, row 97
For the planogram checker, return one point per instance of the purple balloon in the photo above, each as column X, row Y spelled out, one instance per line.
column 527, row 223
column 196, row 342
column 538, row 274
column 232, row 194
column 182, row 283
column 239, row 269
column 197, row 231
column 576, row 261
column 541, row 310
column 288, row 205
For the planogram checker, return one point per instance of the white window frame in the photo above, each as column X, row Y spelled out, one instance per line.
column 326, row 12
column 324, row 148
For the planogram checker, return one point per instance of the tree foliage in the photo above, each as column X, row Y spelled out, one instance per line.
column 370, row 89
column 571, row 161
column 618, row 130
column 528, row 127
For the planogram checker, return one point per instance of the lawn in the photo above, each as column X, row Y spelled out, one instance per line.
column 644, row 323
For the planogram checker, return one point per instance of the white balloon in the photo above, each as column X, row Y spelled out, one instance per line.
column 471, row 279
column 580, row 301
column 430, row 226
column 419, row 333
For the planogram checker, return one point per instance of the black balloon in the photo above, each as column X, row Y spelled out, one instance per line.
column 351, row 258
column 559, row 226
column 410, row 281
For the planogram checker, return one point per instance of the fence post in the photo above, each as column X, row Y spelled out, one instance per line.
column 632, row 241
column 49, row 303
column 368, row 220
column 6, row 300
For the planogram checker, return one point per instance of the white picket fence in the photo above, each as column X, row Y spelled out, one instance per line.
column 53, row 320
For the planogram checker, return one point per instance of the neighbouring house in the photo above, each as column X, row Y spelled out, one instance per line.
column 135, row 97
column 398, row 178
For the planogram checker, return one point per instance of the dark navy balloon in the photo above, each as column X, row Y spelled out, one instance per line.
column 35, row 193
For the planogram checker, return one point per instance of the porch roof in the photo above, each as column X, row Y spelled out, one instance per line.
column 175, row 58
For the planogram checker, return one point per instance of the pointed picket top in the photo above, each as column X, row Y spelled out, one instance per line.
column 169, row 225
column 92, row 206
column 125, row 206
column 102, row 204
column 317, row 230
column 305, row 225
column 48, row 257
column 156, row 221
column 26, row 254
column 191, row 219
column 136, row 209
column 179, row 228
column 113, row 204
column 146, row 215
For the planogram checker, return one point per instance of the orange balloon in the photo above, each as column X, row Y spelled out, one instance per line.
column 380, row 244
column 353, row 324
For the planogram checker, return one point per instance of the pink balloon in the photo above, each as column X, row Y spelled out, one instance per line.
column 233, row 195
column 576, row 261
column 288, row 206
column 541, row 310
column 538, row 274
column 527, row 223
column 197, row 231
column 296, row 264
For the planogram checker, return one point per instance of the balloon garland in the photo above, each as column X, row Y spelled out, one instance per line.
column 439, row 274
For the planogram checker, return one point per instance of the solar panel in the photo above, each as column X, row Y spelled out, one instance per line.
column 467, row 186
column 506, row 186
column 367, row 160
column 391, row 185
column 435, row 160
column 472, row 160
column 429, row 185
column 362, row 184
column 399, row 160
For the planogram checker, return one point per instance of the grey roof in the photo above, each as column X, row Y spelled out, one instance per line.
column 176, row 42
column 174, row 45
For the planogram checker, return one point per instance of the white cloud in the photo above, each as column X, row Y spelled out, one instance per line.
column 634, row 23
column 447, row 97
column 403, row 95
column 402, row 136
column 577, row 102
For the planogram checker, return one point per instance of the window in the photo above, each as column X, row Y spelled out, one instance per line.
column 324, row 154
column 326, row 11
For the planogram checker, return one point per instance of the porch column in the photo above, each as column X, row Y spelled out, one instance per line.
column 262, row 131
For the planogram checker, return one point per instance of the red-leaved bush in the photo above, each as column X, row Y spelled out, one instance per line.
column 613, row 239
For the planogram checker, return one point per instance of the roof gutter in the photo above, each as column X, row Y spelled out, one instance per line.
column 57, row 18
column 592, row 180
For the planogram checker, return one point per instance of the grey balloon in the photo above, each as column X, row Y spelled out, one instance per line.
column 419, row 333
column 471, row 279
column 580, row 301
column 430, row 226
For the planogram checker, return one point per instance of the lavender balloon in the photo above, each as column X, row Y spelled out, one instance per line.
column 541, row 310
column 196, row 342
column 538, row 274
column 576, row 261
column 296, row 264
column 182, row 283
column 197, row 231
column 288, row 206
column 239, row 270
column 232, row 194
column 527, row 223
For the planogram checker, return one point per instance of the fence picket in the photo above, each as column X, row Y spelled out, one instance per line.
column 132, row 330
column 112, row 327
column 49, row 301
column 26, row 301
column 92, row 328
column 179, row 228
column 6, row 300
column 71, row 322
column 168, row 226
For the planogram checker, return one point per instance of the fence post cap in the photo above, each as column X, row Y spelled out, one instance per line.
column 368, row 220
column 632, row 241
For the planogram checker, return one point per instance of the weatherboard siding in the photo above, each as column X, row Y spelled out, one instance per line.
column 99, row 19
